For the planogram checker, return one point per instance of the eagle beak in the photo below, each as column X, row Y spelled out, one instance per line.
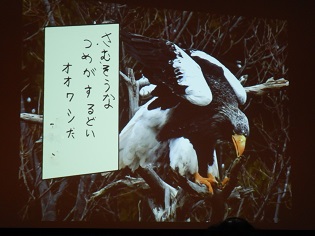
column 239, row 143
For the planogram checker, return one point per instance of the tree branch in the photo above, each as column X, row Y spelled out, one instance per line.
column 32, row 118
column 268, row 86
column 133, row 91
column 49, row 13
column 135, row 85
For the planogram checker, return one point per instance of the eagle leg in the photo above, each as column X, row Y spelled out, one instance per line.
column 223, row 183
column 209, row 181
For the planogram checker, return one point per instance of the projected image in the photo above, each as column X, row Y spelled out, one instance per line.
column 203, row 119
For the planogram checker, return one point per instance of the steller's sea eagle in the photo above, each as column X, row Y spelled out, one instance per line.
column 194, row 105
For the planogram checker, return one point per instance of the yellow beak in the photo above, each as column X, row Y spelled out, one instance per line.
column 239, row 143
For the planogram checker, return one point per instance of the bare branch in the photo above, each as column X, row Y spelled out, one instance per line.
column 49, row 13
column 133, row 91
column 268, row 86
column 183, row 28
column 128, row 181
column 134, row 85
column 32, row 117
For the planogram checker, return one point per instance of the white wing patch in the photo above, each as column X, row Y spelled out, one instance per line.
column 188, row 73
column 137, row 141
column 183, row 156
column 234, row 82
column 147, row 90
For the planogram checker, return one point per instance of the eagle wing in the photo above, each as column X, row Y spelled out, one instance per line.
column 231, row 79
column 169, row 67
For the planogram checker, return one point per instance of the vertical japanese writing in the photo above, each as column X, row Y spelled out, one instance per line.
column 81, row 100
column 69, row 95
column 89, row 71
column 92, row 70
column 105, row 59
column 96, row 59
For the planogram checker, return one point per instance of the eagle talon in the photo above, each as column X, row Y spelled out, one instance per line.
column 223, row 183
column 210, row 181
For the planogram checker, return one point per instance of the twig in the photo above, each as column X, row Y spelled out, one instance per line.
column 32, row 117
column 133, row 91
column 183, row 28
column 276, row 218
column 281, row 195
column 268, row 86
column 49, row 13
column 129, row 181
column 272, row 185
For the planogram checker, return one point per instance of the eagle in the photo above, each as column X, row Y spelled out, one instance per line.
column 194, row 105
